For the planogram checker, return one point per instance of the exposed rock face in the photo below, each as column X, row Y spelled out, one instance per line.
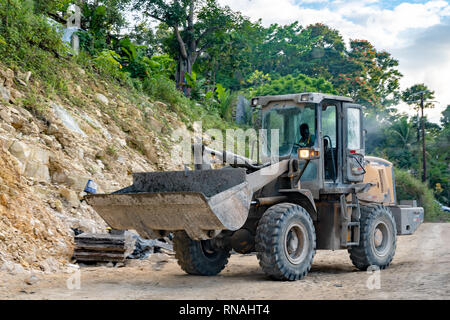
column 101, row 98
column 6, row 82
column 5, row 94
column 29, row 231
column 23, row 77
column 67, row 119
column 33, row 160
column 70, row 195
column 47, row 161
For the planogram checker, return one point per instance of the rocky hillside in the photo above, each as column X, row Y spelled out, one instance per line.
column 52, row 144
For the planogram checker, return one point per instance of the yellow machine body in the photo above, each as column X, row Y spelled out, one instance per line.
column 379, row 173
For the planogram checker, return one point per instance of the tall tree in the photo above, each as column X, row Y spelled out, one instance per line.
column 418, row 95
column 103, row 21
column 229, row 60
column 373, row 78
column 402, row 133
column 412, row 96
column 196, row 25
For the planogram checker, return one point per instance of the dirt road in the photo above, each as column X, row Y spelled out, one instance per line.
column 420, row 270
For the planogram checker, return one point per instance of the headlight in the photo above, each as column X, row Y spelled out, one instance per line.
column 304, row 97
column 308, row 154
column 303, row 153
column 254, row 102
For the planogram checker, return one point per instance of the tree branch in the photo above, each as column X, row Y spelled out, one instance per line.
column 205, row 33
column 191, row 38
column 156, row 17
column 180, row 43
column 204, row 47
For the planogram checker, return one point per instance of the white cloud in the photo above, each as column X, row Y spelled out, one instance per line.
column 401, row 30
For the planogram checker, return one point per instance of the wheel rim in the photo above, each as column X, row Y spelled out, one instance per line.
column 207, row 249
column 381, row 240
column 296, row 243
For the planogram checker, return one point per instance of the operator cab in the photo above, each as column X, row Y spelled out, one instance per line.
column 323, row 130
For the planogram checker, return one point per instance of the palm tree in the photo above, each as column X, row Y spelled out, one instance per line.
column 402, row 132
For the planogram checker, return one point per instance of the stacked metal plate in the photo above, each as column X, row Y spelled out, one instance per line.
column 103, row 247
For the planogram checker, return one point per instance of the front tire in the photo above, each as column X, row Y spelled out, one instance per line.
column 286, row 242
column 198, row 257
column 378, row 238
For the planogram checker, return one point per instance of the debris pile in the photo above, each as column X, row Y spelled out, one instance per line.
column 144, row 248
column 106, row 247
column 116, row 246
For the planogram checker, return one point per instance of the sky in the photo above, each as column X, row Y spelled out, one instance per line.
column 415, row 32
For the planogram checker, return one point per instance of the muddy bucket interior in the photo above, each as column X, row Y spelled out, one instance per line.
column 199, row 202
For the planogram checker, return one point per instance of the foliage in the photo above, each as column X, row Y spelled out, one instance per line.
column 196, row 25
column 396, row 139
column 412, row 95
column 162, row 89
column 26, row 30
column 292, row 84
column 445, row 120
column 258, row 78
column 51, row 6
column 101, row 22
column 372, row 79
column 317, row 51
column 410, row 188
column 30, row 42
column 225, row 100
column 108, row 63
column 196, row 85
column 223, row 53
column 438, row 170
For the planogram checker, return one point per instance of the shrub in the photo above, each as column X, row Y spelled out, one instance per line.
column 32, row 42
column 410, row 188
column 107, row 62
column 226, row 101
column 162, row 89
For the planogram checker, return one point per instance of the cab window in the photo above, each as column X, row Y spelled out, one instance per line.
column 288, row 119
column 354, row 129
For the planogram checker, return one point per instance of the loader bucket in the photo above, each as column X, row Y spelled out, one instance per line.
column 199, row 202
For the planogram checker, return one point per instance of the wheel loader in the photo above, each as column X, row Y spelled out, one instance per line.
column 321, row 192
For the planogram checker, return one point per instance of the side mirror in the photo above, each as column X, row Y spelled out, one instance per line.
column 364, row 133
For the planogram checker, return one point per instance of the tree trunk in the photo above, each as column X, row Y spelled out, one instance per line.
column 188, row 53
column 184, row 66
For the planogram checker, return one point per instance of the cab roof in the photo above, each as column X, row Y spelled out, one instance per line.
column 311, row 97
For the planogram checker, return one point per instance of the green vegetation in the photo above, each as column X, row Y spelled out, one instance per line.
column 410, row 188
column 292, row 83
column 198, row 67
column 29, row 42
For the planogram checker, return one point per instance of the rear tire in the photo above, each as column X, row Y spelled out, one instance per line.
column 286, row 242
column 197, row 257
column 378, row 238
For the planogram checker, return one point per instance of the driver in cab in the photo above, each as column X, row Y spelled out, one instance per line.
column 307, row 140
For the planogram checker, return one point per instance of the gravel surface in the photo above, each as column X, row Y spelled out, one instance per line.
column 420, row 270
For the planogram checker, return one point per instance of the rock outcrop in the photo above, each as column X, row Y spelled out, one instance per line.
column 48, row 154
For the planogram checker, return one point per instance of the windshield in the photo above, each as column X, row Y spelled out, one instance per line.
column 296, row 125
